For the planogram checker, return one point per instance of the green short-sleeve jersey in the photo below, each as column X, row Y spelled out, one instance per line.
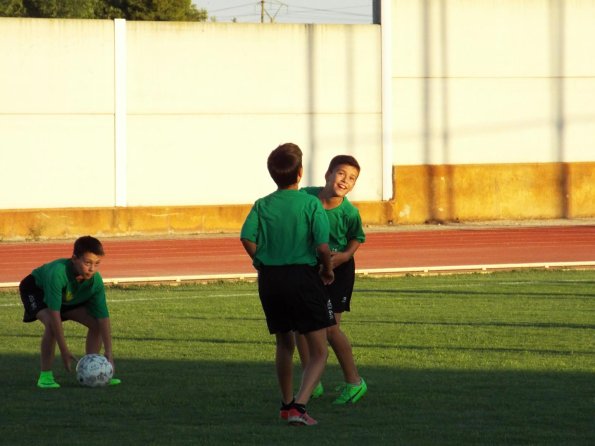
column 61, row 289
column 287, row 227
column 344, row 220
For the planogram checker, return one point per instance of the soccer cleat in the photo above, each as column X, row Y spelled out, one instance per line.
column 351, row 393
column 46, row 381
column 114, row 382
column 297, row 418
column 318, row 391
column 284, row 410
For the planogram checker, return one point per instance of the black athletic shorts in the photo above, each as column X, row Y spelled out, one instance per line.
column 32, row 298
column 341, row 289
column 294, row 298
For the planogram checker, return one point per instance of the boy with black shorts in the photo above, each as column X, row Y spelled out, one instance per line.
column 346, row 234
column 68, row 289
column 285, row 234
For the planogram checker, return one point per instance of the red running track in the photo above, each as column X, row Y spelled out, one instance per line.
column 398, row 248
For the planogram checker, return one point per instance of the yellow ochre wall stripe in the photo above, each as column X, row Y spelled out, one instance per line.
column 422, row 194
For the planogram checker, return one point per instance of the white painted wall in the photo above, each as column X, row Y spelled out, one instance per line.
column 205, row 104
column 493, row 81
column 477, row 81
column 56, row 113
column 208, row 102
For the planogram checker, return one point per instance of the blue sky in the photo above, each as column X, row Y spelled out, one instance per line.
column 290, row 11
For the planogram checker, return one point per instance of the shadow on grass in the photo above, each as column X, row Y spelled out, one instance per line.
column 195, row 402
column 268, row 343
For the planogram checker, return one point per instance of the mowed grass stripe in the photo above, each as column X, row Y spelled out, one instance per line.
column 499, row 358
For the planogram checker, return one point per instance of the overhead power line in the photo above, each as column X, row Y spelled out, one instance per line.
column 287, row 11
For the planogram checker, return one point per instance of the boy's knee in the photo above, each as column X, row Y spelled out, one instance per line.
column 319, row 354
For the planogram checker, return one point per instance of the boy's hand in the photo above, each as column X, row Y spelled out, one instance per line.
column 327, row 276
column 67, row 359
column 110, row 358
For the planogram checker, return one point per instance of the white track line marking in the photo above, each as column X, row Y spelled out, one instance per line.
column 142, row 299
column 364, row 272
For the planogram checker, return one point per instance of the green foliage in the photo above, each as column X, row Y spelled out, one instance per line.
column 494, row 359
column 12, row 8
column 161, row 10
column 179, row 10
column 83, row 9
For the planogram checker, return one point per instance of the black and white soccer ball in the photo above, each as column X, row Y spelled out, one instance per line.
column 94, row 370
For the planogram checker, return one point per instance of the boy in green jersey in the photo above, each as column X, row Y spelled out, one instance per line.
column 285, row 234
column 346, row 235
column 68, row 289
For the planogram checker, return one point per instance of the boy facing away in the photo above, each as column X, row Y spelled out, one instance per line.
column 68, row 289
column 346, row 235
column 285, row 233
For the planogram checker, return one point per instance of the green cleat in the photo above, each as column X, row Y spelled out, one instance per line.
column 46, row 381
column 351, row 393
column 114, row 382
column 318, row 391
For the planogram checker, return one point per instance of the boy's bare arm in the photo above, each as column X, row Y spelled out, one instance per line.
column 341, row 257
column 105, row 329
column 58, row 332
column 326, row 272
column 249, row 246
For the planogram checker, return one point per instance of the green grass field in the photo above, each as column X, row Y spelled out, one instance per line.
column 501, row 358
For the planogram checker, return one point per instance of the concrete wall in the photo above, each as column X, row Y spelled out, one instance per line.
column 205, row 104
column 56, row 113
column 493, row 82
column 493, row 116
column 506, row 87
column 208, row 102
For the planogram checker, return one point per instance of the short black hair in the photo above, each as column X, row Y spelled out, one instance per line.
column 284, row 164
column 343, row 159
column 87, row 244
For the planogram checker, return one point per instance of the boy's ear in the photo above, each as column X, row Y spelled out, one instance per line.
column 300, row 174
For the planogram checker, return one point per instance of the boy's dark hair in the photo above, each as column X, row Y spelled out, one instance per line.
column 343, row 159
column 284, row 164
column 87, row 244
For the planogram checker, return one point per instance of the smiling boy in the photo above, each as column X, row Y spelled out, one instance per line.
column 68, row 289
column 346, row 235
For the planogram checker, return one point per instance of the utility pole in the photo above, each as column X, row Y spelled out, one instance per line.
column 376, row 16
column 263, row 10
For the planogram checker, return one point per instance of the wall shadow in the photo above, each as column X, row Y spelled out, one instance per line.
column 312, row 97
column 557, row 63
column 314, row 113
column 441, row 200
column 439, row 176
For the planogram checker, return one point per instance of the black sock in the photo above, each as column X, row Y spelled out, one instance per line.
column 300, row 407
column 288, row 405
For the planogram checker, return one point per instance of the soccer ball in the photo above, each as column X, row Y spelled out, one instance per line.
column 94, row 370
